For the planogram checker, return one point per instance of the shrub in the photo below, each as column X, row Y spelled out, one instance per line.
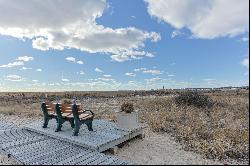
column 65, row 101
column 192, row 98
column 127, row 107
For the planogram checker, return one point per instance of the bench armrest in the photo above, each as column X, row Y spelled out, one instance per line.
column 83, row 111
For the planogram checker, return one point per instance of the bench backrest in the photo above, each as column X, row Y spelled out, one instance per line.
column 64, row 108
column 50, row 106
column 67, row 108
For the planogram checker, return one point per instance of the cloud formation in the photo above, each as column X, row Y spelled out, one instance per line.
column 98, row 70
column 14, row 78
column 80, row 62
column 148, row 71
column 49, row 27
column 153, row 72
column 65, row 80
column 206, row 19
column 130, row 74
column 25, row 58
column 245, row 62
column 14, row 64
column 25, row 68
column 71, row 59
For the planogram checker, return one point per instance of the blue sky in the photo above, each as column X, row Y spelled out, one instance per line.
column 118, row 45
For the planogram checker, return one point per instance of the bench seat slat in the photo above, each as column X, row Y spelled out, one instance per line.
column 66, row 114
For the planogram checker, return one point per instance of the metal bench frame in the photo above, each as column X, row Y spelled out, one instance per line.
column 46, row 116
column 61, row 119
column 79, row 122
column 74, row 120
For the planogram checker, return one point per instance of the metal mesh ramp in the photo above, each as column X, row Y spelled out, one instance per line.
column 106, row 134
column 30, row 148
column 5, row 126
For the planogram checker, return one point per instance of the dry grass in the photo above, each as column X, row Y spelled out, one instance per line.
column 24, row 110
column 220, row 132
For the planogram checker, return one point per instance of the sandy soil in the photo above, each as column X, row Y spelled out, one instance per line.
column 153, row 149
column 160, row 149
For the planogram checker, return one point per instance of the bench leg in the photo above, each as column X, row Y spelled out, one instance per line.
column 46, row 122
column 72, row 124
column 89, row 124
column 77, row 128
column 59, row 125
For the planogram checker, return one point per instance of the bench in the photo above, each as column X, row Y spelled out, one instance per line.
column 67, row 112
column 84, row 117
column 64, row 113
column 73, row 114
column 48, row 110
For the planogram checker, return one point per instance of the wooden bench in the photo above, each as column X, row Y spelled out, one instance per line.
column 49, row 113
column 73, row 114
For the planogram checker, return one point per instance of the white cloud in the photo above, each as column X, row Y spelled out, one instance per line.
column 171, row 75
column 148, row 71
column 25, row 68
column 130, row 74
column 245, row 62
column 176, row 33
column 209, row 79
column 14, row 64
column 107, row 75
column 140, row 69
column 65, row 80
column 120, row 58
column 80, row 62
column 71, row 59
column 25, row 58
column 206, row 19
column 39, row 70
column 19, row 62
column 98, row 70
column 245, row 39
column 153, row 79
column 128, row 55
column 131, row 82
column 153, row 72
column 14, row 78
column 35, row 81
column 81, row 72
column 106, row 79
column 50, row 27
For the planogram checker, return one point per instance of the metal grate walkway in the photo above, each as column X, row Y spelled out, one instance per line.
column 30, row 148
column 5, row 126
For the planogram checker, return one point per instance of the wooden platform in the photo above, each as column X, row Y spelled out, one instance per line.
column 106, row 135
column 29, row 148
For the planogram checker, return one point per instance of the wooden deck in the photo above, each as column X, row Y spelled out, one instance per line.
column 106, row 134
